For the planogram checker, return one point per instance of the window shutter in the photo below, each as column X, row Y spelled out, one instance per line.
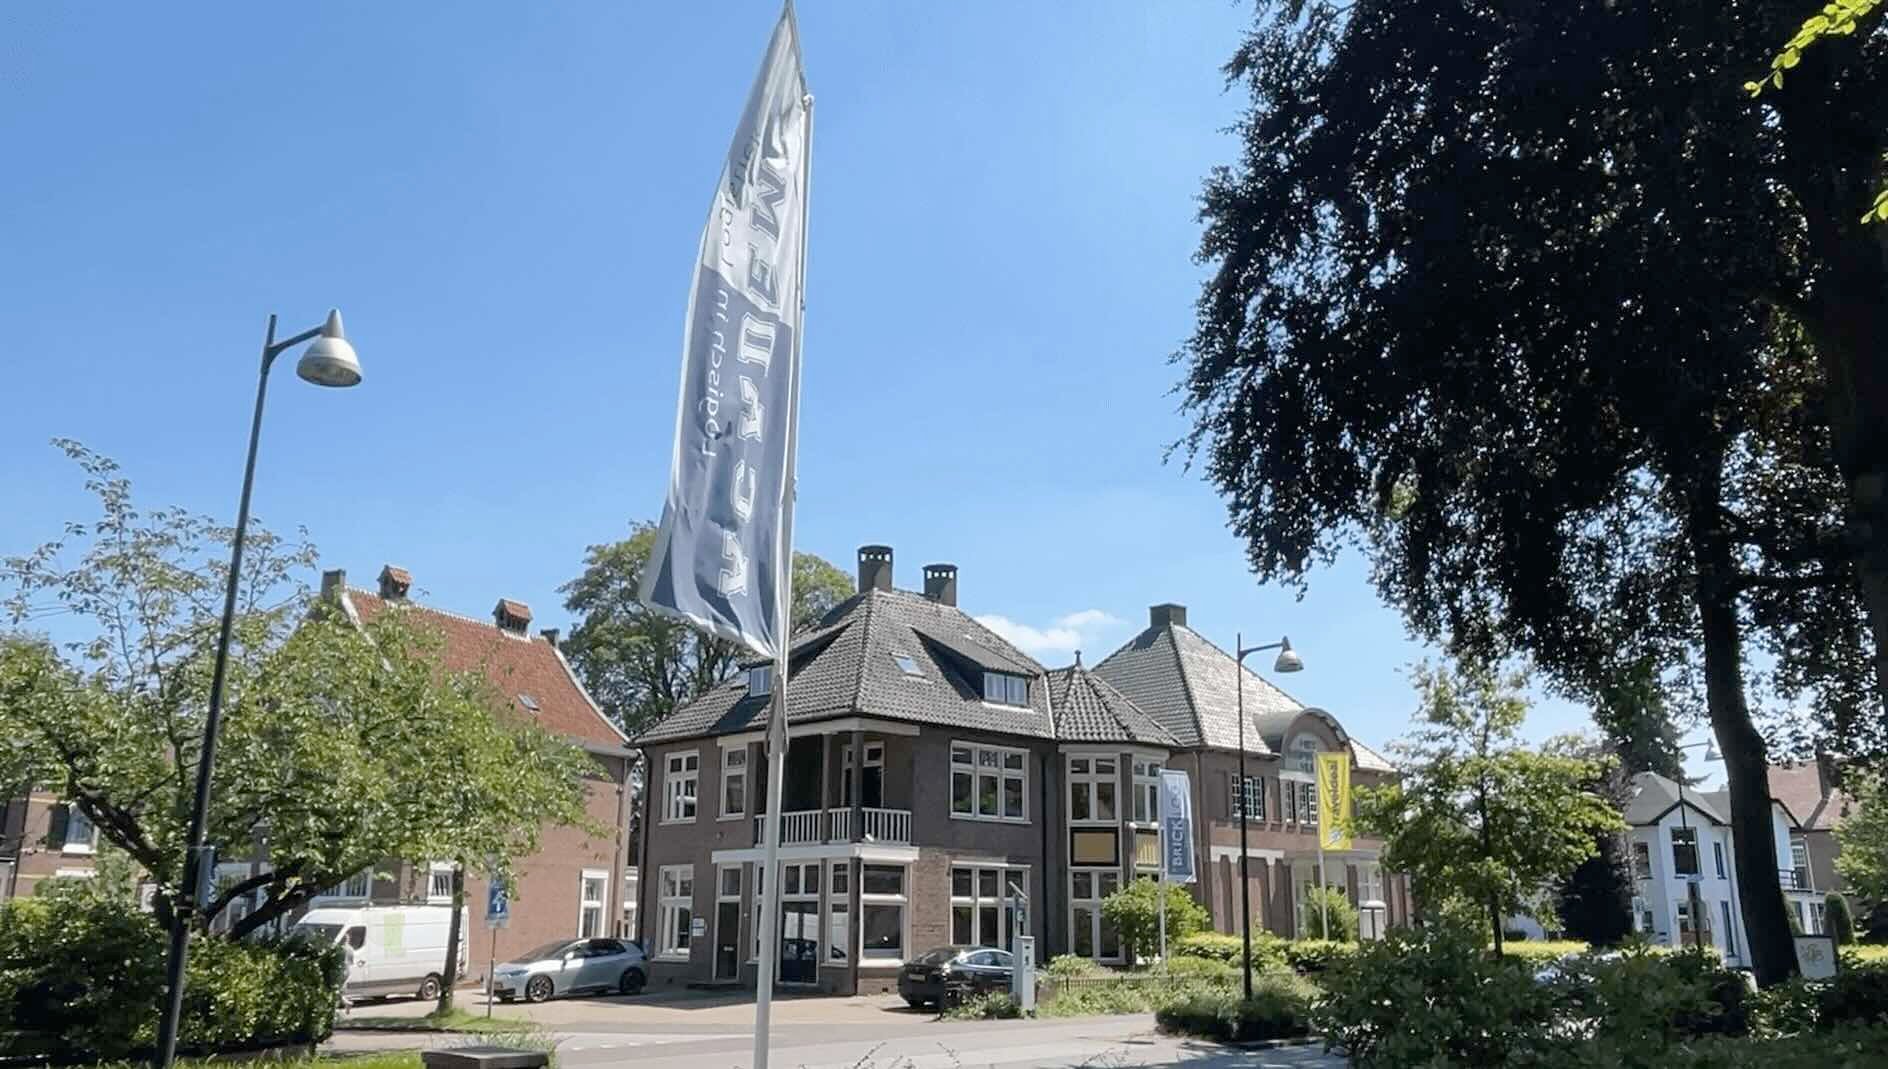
column 58, row 817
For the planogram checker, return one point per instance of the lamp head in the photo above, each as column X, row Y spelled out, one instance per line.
column 329, row 360
column 1288, row 659
column 1711, row 752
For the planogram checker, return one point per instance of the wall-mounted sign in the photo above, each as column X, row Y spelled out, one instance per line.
column 1094, row 846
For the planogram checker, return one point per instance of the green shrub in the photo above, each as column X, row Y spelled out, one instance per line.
column 1204, row 970
column 991, row 1006
column 1072, row 967
column 1279, row 1009
column 1314, row 956
column 88, row 973
column 1544, row 951
column 1840, row 920
column 1134, row 911
column 1268, row 950
column 1856, row 996
column 1342, row 916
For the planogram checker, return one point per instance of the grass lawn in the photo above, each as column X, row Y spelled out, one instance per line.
column 456, row 1021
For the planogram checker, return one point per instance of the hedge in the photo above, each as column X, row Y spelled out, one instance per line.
column 1280, row 1008
column 83, row 976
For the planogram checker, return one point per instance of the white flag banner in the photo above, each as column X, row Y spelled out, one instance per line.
column 722, row 554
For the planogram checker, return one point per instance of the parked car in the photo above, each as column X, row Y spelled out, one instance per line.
column 947, row 975
column 391, row 950
column 570, row 967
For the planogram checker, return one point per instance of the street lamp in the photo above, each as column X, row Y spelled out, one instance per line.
column 1288, row 661
column 1697, row 852
column 330, row 361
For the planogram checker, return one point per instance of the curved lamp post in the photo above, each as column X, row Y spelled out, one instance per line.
column 330, row 361
column 1288, row 661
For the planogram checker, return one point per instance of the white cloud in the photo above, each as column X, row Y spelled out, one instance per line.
column 1066, row 634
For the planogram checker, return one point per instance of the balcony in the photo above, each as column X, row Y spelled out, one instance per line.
column 813, row 827
column 1794, row 879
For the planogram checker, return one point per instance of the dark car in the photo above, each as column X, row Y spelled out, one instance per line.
column 948, row 974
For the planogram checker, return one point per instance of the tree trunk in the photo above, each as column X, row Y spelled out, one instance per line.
column 1746, row 758
column 453, row 935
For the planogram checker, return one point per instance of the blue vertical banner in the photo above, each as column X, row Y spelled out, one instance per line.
column 722, row 555
column 1176, row 826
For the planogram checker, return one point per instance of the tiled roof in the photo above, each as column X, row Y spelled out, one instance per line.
column 518, row 666
column 846, row 666
column 1088, row 709
column 1188, row 686
column 1653, row 795
column 1799, row 788
column 1368, row 759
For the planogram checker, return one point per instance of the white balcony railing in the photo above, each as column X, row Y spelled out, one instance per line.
column 802, row 827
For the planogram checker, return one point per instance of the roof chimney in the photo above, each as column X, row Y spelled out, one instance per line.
column 395, row 581
column 875, row 568
column 332, row 583
column 512, row 616
column 940, row 583
column 550, row 636
column 1167, row 614
column 1828, row 773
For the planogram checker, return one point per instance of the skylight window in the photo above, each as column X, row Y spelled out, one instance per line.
column 528, row 702
column 907, row 664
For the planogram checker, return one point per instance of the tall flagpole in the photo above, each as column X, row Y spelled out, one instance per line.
column 783, row 616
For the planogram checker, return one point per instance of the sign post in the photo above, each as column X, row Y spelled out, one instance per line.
column 497, row 915
column 1023, row 960
column 1176, row 841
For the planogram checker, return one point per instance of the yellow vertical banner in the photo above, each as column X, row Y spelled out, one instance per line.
column 1334, row 801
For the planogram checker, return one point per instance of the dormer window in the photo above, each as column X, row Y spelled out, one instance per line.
column 760, row 681
column 1003, row 688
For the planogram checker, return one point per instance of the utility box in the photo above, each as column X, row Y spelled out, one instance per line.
column 1023, row 976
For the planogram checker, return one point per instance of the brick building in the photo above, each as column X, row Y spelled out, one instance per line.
column 935, row 770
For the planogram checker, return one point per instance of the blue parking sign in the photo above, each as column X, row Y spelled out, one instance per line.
column 497, row 906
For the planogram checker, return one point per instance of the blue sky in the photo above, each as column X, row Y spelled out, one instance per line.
column 504, row 200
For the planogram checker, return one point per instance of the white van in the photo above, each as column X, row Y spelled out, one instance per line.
column 392, row 950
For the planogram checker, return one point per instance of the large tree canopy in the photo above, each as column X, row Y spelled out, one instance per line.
column 341, row 747
column 1500, row 296
column 640, row 665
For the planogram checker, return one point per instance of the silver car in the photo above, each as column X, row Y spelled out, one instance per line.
column 572, row 966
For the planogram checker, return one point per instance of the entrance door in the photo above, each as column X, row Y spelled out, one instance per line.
column 799, row 943
column 727, row 940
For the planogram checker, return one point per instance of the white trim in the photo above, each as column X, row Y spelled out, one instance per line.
column 872, row 852
column 665, row 903
column 602, row 876
column 1093, row 780
column 721, row 786
column 1146, row 753
column 668, row 770
column 840, row 726
column 976, row 771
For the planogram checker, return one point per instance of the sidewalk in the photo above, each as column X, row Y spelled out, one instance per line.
column 681, row 1011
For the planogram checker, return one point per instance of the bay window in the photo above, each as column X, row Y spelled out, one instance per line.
column 989, row 783
column 1090, row 934
column 1092, row 785
column 1146, row 790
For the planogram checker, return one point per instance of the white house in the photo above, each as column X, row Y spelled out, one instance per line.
column 1680, row 839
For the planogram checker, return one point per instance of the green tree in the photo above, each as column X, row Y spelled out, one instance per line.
column 1841, row 921
column 1448, row 323
column 1134, row 912
column 1476, row 816
column 1328, row 906
column 1863, row 836
column 341, row 747
column 1633, row 710
column 639, row 665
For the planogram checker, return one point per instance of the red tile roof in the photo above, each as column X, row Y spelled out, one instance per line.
column 1799, row 788
column 520, row 668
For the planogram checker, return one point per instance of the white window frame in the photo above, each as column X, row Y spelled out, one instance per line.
column 1697, row 852
column 874, row 758
column 1370, row 882
column 79, row 844
column 1146, row 790
column 671, row 901
column 597, row 907
column 1009, row 686
column 760, row 680
column 1002, row 903
column 1002, row 769
column 1252, row 794
column 1302, row 755
column 1085, row 778
column 1818, row 918
column 1308, row 804
column 730, row 771
column 1098, row 891
column 359, row 885
column 681, row 787
column 799, row 868
column 838, row 904
column 1717, row 859
column 901, row 900
column 433, row 872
